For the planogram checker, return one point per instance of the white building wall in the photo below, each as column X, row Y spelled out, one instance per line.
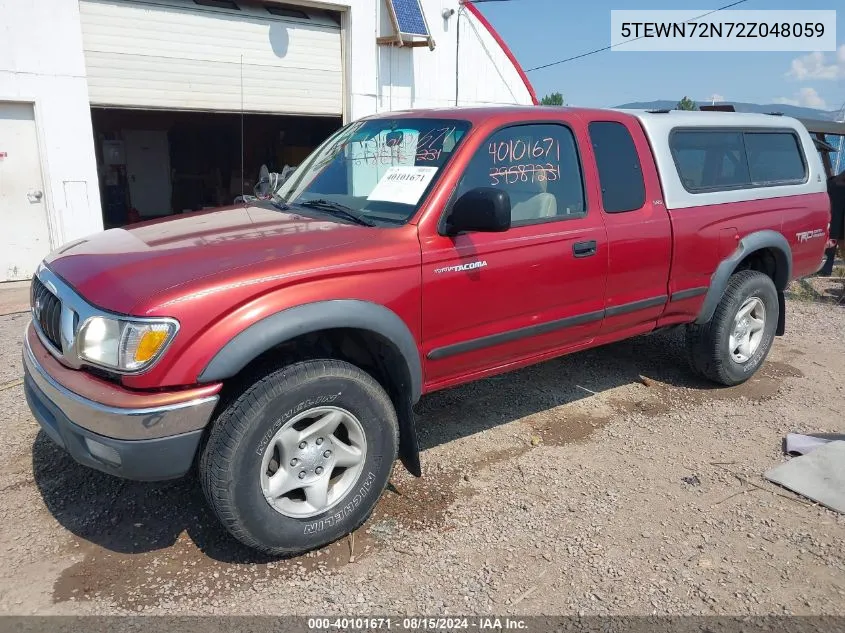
column 41, row 63
column 486, row 75
column 401, row 78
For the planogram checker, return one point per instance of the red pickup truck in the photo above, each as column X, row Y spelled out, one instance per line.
column 280, row 345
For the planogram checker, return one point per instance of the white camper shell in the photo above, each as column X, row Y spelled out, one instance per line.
column 679, row 138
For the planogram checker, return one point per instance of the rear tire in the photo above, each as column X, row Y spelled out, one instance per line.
column 300, row 458
column 732, row 346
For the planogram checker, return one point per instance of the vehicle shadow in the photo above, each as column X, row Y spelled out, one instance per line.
column 460, row 411
column 132, row 517
column 129, row 517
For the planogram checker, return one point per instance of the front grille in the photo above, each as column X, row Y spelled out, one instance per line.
column 47, row 310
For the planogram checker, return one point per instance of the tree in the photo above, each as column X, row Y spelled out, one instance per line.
column 686, row 104
column 553, row 99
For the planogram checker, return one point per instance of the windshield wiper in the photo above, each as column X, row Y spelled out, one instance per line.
column 337, row 209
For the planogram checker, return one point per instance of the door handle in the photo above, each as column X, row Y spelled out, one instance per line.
column 34, row 195
column 584, row 249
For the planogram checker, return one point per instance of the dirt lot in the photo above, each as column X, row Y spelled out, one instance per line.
column 570, row 487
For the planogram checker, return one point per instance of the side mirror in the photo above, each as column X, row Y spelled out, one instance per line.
column 485, row 209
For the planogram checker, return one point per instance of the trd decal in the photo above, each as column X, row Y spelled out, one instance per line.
column 806, row 236
column 461, row 268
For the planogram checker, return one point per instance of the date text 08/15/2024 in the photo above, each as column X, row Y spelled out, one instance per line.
column 417, row 623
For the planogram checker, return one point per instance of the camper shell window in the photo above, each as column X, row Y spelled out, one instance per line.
column 724, row 159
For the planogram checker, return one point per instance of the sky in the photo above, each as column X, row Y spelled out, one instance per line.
column 542, row 31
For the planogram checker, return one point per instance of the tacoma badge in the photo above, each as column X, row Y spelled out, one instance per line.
column 461, row 267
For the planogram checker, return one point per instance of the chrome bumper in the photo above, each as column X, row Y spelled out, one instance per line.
column 119, row 423
column 141, row 443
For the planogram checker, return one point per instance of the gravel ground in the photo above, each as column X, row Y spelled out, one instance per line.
column 607, row 482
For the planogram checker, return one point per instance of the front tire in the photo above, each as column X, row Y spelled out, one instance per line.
column 732, row 346
column 300, row 458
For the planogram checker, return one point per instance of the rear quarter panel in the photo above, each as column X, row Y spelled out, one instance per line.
column 707, row 226
column 704, row 236
column 806, row 227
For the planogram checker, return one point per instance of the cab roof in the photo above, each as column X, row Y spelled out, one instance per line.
column 479, row 114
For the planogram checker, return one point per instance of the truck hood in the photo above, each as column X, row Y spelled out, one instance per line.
column 119, row 269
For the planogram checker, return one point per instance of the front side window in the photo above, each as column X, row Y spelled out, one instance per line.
column 377, row 170
column 539, row 168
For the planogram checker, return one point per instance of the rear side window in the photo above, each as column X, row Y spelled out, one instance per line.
column 719, row 160
column 710, row 160
column 774, row 158
column 620, row 171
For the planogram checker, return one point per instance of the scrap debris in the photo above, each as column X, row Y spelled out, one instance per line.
column 645, row 380
column 800, row 444
column 819, row 475
column 691, row 480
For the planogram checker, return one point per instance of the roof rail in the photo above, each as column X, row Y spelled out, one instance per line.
column 663, row 111
column 775, row 113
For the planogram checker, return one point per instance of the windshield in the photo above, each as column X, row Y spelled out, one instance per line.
column 378, row 170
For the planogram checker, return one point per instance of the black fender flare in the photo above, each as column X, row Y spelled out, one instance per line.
column 747, row 245
column 287, row 324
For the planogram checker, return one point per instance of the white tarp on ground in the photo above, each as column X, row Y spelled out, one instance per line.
column 819, row 475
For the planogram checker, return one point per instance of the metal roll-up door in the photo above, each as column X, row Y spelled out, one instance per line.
column 185, row 55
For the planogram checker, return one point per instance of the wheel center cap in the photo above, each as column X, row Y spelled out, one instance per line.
column 312, row 459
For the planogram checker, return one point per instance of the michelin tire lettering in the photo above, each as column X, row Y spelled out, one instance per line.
column 752, row 363
column 310, row 402
column 337, row 517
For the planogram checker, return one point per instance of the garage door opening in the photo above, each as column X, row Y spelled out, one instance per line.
column 169, row 79
column 159, row 163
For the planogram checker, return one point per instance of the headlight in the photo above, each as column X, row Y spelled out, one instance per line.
column 124, row 345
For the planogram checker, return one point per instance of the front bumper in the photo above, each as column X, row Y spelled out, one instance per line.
column 146, row 441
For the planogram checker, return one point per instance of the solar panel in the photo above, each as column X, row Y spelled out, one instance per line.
column 409, row 17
